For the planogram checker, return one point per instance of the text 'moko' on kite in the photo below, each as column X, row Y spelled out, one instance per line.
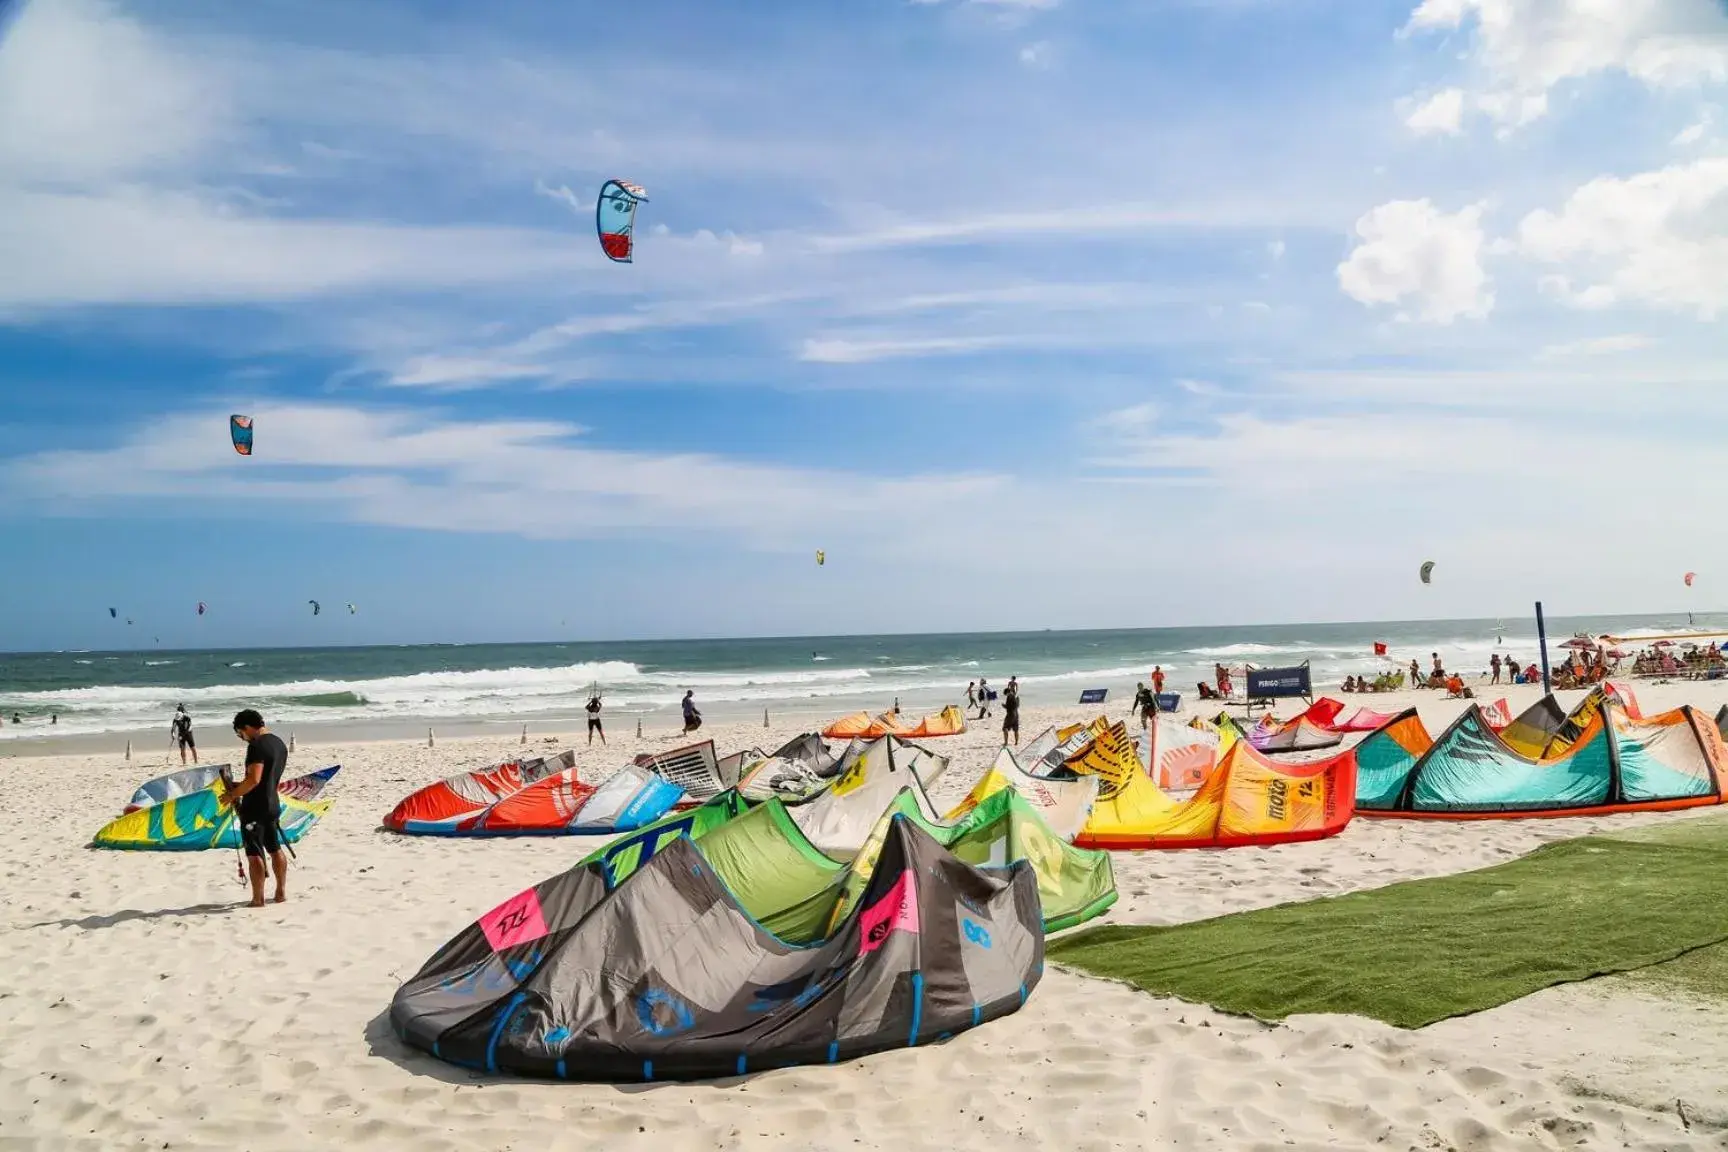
column 240, row 430
column 615, row 218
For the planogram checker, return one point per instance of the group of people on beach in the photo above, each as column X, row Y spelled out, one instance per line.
column 979, row 695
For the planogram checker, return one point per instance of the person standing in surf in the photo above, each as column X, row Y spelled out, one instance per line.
column 180, row 732
column 257, row 803
column 594, row 720
column 692, row 718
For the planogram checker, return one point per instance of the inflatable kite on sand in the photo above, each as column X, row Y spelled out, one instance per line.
column 189, row 780
column 928, row 947
column 199, row 820
column 1599, row 759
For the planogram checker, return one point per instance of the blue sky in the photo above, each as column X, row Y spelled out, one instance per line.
column 1032, row 313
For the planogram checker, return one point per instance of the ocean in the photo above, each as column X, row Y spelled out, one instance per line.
column 103, row 692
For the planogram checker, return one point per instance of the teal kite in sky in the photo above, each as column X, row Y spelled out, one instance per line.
column 615, row 218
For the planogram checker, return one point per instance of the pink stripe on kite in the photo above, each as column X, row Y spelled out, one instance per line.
column 516, row 921
column 895, row 912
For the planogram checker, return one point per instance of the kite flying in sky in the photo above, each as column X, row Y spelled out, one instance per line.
column 240, row 430
column 1427, row 571
column 821, row 558
column 316, row 607
column 615, row 218
column 1689, row 576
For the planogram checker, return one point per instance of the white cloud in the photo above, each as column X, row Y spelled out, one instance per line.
column 1275, row 249
column 1410, row 251
column 1036, row 55
column 528, row 478
column 842, row 350
column 1441, row 113
column 135, row 245
column 1082, row 219
column 88, row 93
column 1658, row 238
column 1694, row 133
column 1597, row 346
column 1523, row 49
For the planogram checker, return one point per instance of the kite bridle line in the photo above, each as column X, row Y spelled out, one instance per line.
column 239, row 838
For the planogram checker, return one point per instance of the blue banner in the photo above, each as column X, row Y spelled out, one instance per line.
column 1271, row 682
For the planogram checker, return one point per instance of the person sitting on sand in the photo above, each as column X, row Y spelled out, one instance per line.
column 258, row 804
column 1455, row 689
column 180, row 732
column 692, row 718
column 1349, row 684
column 594, row 724
column 1205, row 691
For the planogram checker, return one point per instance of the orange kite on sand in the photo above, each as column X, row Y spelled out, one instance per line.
column 861, row 726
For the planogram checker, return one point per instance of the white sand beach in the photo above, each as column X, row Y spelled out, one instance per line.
column 141, row 1006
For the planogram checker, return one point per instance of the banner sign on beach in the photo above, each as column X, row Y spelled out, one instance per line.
column 1267, row 683
column 1093, row 695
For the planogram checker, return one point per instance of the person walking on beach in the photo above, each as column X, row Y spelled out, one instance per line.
column 692, row 718
column 1158, row 680
column 1494, row 668
column 594, row 720
column 983, row 698
column 1011, row 711
column 971, row 695
column 258, row 804
column 181, row 734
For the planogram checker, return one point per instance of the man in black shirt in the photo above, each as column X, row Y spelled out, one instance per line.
column 1011, row 711
column 258, row 804
column 181, row 733
column 594, row 719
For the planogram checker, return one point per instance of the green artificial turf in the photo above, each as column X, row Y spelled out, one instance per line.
column 1425, row 950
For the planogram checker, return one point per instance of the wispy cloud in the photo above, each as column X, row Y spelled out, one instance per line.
column 529, row 478
column 1597, row 346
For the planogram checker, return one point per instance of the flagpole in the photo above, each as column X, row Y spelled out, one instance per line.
column 1542, row 641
